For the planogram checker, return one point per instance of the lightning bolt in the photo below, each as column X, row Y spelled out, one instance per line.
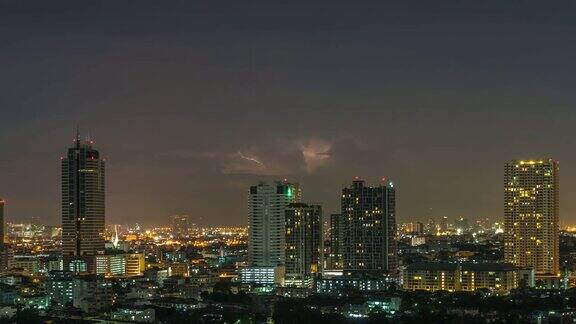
column 248, row 158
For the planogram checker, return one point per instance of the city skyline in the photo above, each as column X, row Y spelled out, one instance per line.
column 168, row 219
column 398, row 161
column 225, row 95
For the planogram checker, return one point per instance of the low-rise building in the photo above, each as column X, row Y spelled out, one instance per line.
column 145, row 315
column 339, row 285
column 263, row 275
column 135, row 264
column 467, row 276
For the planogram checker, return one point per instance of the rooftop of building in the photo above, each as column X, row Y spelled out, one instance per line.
column 467, row 266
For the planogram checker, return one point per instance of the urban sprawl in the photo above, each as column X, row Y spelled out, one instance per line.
column 294, row 262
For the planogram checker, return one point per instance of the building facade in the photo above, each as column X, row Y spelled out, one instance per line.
column 83, row 194
column 91, row 293
column 304, row 244
column 335, row 261
column 111, row 265
column 266, row 212
column 531, row 237
column 435, row 276
column 59, row 288
column 369, row 246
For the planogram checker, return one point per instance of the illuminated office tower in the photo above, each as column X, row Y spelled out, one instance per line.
column 266, row 213
column 531, row 215
column 369, row 246
column 82, row 204
column 304, row 244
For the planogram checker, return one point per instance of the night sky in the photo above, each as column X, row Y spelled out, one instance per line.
column 191, row 102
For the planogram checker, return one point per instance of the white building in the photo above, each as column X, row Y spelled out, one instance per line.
column 266, row 212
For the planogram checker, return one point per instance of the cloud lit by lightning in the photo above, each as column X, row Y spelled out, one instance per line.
column 316, row 153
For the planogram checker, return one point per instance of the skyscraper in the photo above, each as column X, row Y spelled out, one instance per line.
column 531, row 215
column 304, row 244
column 369, row 246
column 83, row 193
column 266, row 213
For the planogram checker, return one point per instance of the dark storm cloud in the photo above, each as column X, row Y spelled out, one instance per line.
column 191, row 102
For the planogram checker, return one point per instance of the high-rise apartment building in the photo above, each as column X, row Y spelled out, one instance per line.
column 531, row 215
column 335, row 261
column 83, row 195
column 266, row 215
column 369, row 246
column 266, row 231
column 304, row 244
column 2, row 234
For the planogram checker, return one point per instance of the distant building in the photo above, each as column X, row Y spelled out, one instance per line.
column 145, row 315
column 369, row 246
column 340, row 285
column 444, row 224
column 304, row 244
column 417, row 228
column 6, row 258
column 263, row 275
column 120, row 264
column 389, row 305
column 462, row 225
column 91, row 293
column 434, row 276
column 179, row 269
column 531, row 193
column 156, row 275
column 417, row 240
column 135, row 264
column 28, row 264
column 83, row 206
column 111, row 265
column 181, row 225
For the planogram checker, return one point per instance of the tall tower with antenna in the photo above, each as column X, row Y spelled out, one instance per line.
column 83, row 204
